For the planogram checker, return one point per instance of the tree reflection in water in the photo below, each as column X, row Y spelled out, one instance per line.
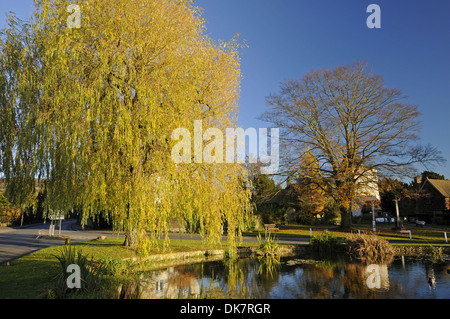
column 294, row 278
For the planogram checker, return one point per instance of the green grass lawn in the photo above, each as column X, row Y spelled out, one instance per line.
column 32, row 275
column 28, row 276
column 419, row 235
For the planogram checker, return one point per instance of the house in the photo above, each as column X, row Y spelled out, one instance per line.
column 367, row 191
column 433, row 205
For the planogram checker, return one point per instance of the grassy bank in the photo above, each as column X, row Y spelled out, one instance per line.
column 420, row 235
column 34, row 275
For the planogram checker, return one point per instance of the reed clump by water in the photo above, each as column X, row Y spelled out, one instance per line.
column 267, row 247
column 369, row 249
column 324, row 243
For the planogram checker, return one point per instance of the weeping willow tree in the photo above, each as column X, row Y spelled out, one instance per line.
column 90, row 111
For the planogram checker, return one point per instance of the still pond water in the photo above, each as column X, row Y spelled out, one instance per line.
column 293, row 277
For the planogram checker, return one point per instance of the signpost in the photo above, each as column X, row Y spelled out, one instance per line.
column 55, row 216
column 373, row 199
column 398, row 222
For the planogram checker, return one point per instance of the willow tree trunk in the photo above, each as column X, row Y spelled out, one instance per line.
column 131, row 231
column 131, row 238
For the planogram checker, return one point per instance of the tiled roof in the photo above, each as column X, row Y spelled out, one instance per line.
column 441, row 185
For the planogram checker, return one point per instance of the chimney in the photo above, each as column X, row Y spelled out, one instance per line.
column 418, row 180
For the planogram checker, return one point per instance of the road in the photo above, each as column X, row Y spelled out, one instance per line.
column 18, row 242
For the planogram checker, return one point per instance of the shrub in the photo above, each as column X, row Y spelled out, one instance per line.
column 114, row 266
column 304, row 218
column 437, row 253
column 330, row 216
column 3, row 200
column 9, row 214
column 271, row 213
column 369, row 249
column 325, row 242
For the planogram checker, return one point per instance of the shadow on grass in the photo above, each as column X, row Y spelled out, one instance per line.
column 28, row 277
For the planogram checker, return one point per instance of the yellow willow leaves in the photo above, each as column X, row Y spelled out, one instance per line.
column 112, row 92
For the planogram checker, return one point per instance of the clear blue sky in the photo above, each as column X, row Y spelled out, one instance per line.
column 288, row 38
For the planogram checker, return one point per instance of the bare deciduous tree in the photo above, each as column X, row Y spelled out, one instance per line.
column 353, row 125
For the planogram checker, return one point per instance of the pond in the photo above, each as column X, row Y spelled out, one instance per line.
column 295, row 278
